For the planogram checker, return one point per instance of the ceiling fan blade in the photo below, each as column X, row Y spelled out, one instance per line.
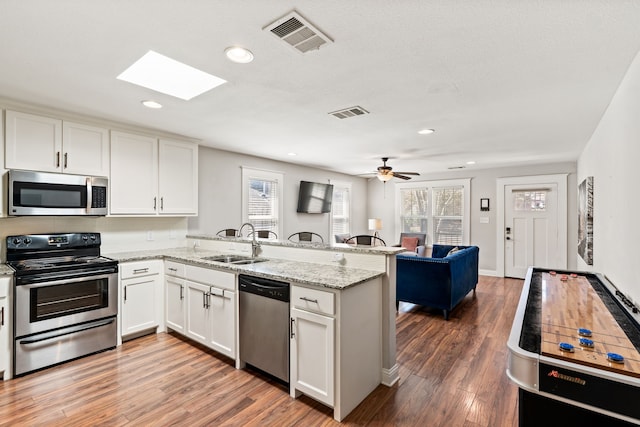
column 397, row 175
column 408, row 173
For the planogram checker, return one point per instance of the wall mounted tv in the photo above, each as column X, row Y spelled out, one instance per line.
column 314, row 197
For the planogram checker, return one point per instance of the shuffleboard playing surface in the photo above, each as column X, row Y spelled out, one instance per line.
column 570, row 305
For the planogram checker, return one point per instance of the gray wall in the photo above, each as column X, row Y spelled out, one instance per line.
column 220, row 204
column 381, row 204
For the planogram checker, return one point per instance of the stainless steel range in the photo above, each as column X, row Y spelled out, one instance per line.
column 65, row 299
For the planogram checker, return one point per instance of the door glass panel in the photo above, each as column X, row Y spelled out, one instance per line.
column 529, row 201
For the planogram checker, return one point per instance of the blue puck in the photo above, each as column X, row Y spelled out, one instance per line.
column 586, row 342
column 615, row 357
column 565, row 346
column 584, row 332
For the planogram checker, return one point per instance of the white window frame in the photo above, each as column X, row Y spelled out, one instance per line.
column 347, row 186
column 249, row 173
column 430, row 185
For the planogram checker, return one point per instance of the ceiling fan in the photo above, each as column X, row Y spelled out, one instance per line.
column 385, row 173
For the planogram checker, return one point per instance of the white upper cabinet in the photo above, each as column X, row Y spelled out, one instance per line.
column 33, row 142
column 133, row 183
column 178, row 177
column 85, row 149
column 151, row 177
column 50, row 145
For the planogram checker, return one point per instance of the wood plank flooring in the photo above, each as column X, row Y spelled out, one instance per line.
column 452, row 373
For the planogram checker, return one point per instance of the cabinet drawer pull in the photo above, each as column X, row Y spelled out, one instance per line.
column 141, row 270
column 172, row 269
column 315, row 301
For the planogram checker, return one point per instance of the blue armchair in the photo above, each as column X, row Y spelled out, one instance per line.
column 441, row 281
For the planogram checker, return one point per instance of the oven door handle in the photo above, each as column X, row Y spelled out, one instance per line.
column 68, row 331
column 68, row 278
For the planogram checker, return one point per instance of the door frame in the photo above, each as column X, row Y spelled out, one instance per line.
column 560, row 180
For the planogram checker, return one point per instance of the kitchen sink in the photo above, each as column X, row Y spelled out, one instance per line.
column 249, row 261
column 234, row 259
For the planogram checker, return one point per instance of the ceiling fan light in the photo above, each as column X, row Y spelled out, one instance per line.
column 384, row 177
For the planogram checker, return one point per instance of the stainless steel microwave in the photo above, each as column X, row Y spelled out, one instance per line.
column 41, row 193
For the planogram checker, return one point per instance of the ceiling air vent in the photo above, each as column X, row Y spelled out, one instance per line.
column 298, row 33
column 455, row 167
column 349, row 112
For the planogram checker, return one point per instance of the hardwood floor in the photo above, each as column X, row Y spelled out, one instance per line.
column 452, row 373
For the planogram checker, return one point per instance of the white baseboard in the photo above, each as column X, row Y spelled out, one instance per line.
column 492, row 273
column 390, row 376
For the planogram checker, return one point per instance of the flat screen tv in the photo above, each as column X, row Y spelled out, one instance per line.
column 314, row 197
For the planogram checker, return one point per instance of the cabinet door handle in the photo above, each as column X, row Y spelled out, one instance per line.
column 161, row 203
column 292, row 327
column 181, row 292
column 315, row 301
column 66, row 157
column 154, row 203
column 125, row 293
column 57, row 159
column 205, row 300
column 2, row 315
column 141, row 270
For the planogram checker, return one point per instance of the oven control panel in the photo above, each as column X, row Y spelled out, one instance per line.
column 47, row 241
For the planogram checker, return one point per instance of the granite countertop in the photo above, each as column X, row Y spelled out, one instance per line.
column 328, row 276
column 5, row 270
column 335, row 247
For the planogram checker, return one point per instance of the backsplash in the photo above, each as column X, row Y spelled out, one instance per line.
column 118, row 234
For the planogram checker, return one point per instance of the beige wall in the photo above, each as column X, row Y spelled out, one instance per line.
column 611, row 157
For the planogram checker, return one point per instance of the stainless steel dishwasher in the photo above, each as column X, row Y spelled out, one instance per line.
column 264, row 325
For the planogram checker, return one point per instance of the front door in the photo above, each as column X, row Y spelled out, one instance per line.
column 534, row 227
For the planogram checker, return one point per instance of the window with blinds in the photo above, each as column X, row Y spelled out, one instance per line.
column 341, row 209
column 438, row 208
column 262, row 201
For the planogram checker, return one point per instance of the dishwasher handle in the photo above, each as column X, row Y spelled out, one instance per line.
column 264, row 287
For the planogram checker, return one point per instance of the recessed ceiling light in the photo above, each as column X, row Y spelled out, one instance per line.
column 471, row 162
column 238, row 54
column 152, row 104
column 426, row 131
column 291, row 154
column 165, row 75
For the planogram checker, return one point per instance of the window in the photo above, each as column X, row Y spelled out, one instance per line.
column 262, row 199
column 530, row 201
column 438, row 208
column 341, row 208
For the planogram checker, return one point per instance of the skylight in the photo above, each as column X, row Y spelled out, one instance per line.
column 165, row 75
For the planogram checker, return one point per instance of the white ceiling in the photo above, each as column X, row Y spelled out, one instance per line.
column 502, row 82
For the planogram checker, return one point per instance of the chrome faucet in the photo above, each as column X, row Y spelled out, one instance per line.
column 254, row 243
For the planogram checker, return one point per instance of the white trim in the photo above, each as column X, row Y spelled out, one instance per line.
column 462, row 182
column 247, row 173
column 527, row 181
column 390, row 376
column 491, row 273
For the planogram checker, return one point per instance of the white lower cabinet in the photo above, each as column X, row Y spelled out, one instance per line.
column 140, row 296
column 336, row 350
column 201, row 304
column 175, row 303
column 6, row 338
column 312, row 355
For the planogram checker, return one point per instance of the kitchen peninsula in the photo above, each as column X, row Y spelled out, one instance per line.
column 342, row 307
